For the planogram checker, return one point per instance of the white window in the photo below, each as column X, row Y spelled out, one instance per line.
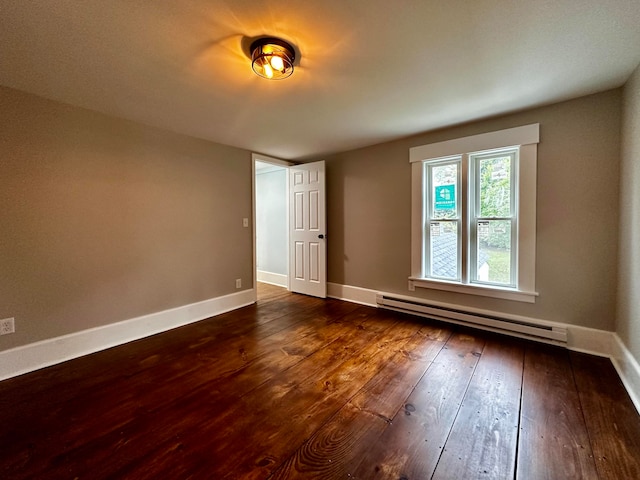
column 473, row 214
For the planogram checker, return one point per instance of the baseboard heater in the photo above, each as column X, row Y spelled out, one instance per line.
column 508, row 324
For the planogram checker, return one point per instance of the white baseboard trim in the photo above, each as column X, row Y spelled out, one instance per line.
column 588, row 340
column 34, row 356
column 580, row 339
column 363, row 296
column 628, row 369
column 272, row 278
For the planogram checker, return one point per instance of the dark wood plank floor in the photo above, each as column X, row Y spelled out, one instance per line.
column 297, row 387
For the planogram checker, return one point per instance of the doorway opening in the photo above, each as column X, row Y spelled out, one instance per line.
column 271, row 242
column 289, row 225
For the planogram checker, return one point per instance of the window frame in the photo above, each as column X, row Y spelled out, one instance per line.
column 525, row 139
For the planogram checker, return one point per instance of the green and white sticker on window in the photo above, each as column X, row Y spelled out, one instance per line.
column 445, row 197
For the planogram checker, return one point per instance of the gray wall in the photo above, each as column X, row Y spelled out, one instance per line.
column 104, row 220
column 271, row 221
column 577, row 217
column 628, row 318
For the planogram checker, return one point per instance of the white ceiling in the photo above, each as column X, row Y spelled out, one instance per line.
column 370, row 70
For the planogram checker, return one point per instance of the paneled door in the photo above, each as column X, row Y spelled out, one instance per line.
column 307, row 227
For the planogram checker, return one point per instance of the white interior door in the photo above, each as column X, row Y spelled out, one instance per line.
column 307, row 227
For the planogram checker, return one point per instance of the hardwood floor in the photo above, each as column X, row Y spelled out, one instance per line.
column 297, row 387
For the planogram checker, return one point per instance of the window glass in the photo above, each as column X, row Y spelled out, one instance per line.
column 494, row 259
column 444, row 190
column 495, row 186
column 444, row 249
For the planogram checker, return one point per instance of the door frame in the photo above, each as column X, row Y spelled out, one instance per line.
column 257, row 157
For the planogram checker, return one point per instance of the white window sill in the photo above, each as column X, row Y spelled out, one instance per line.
column 483, row 290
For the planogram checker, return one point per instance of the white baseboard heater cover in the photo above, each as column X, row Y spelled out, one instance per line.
column 486, row 320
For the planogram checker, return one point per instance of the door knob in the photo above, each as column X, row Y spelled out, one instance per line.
column 321, row 236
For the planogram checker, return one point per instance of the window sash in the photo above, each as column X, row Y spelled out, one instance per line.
column 476, row 217
column 446, row 224
column 464, row 220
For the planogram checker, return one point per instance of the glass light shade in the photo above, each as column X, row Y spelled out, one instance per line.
column 272, row 58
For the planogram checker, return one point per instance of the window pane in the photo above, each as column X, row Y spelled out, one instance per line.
column 444, row 249
column 495, row 186
column 444, row 179
column 494, row 251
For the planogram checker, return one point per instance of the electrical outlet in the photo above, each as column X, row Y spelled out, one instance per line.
column 7, row 326
column 238, row 283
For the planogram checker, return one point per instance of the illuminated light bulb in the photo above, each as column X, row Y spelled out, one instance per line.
column 277, row 63
column 268, row 71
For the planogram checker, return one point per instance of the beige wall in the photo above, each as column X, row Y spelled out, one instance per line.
column 628, row 313
column 577, row 221
column 103, row 220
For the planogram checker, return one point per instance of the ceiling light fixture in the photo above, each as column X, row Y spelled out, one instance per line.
column 272, row 58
